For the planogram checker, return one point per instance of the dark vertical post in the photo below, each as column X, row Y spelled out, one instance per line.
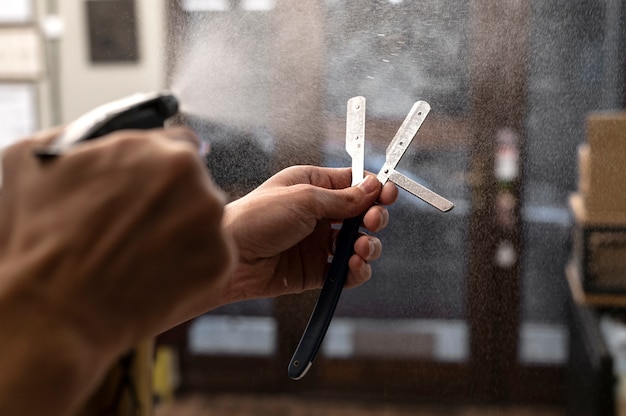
column 297, row 61
column 499, row 37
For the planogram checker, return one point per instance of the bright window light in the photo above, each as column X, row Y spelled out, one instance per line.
column 206, row 5
column 258, row 5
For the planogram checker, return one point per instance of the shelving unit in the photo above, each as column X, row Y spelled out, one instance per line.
column 595, row 272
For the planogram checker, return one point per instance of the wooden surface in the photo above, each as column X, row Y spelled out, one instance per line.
column 244, row 405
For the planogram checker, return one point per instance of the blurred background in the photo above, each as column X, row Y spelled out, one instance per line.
column 472, row 306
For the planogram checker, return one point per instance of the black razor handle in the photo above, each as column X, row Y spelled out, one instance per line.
column 327, row 302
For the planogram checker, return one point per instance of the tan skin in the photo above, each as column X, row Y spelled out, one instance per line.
column 125, row 237
column 298, row 229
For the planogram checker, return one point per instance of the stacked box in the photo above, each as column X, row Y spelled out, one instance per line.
column 599, row 206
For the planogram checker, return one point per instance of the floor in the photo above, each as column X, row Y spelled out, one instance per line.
column 247, row 405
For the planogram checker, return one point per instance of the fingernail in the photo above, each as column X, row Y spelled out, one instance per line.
column 366, row 271
column 372, row 249
column 384, row 216
column 369, row 184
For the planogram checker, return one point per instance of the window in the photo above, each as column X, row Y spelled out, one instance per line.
column 465, row 304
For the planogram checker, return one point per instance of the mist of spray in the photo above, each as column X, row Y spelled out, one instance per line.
column 217, row 74
column 241, row 70
column 229, row 65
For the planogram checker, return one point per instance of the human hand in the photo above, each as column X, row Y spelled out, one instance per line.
column 283, row 230
column 113, row 242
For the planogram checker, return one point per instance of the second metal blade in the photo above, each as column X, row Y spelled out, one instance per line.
column 403, row 138
column 420, row 191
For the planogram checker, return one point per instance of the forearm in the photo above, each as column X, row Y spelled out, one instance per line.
column 46, row 368
column 41, row 380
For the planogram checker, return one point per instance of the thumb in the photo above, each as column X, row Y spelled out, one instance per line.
column 349, row 202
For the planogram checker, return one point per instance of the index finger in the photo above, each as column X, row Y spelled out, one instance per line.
column 178, row 134
column 16, row 155
column 389, row 194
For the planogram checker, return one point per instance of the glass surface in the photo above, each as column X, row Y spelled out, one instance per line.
column 393, row 53
column 396, row 53
column 574, row 68
column 221, row 75
column 410, row 339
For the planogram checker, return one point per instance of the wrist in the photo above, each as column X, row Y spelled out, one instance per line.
column 235, row 289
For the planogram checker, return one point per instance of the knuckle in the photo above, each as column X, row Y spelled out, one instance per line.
column 11, row 156
column 127, row 137
column 16, row 149
column 213, row 207
column 182, row 162
column 310, row 195
column 181, row 132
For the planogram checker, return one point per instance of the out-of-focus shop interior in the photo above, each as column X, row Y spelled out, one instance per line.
column 514, row 300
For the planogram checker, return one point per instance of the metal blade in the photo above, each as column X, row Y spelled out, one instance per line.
column 355, row 136
column 420, row 191
column 403, row 138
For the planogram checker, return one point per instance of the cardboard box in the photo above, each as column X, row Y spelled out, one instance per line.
column 605, row 194
column 584, row 216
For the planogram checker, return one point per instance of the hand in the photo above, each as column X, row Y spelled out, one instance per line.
column 283, row 230
column 109, row 244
